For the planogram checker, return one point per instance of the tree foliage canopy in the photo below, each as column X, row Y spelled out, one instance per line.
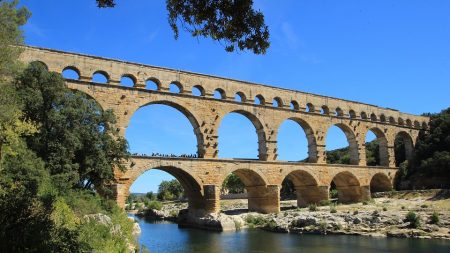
column 232, row 22
column 75, row 137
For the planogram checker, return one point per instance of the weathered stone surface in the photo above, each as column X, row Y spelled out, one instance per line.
column 203, row 177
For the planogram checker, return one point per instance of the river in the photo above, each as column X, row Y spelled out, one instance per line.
column 166, row 237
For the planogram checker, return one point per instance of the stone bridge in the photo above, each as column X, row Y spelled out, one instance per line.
column 267, row 108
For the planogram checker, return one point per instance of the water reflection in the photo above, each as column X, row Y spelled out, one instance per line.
column 164, row 237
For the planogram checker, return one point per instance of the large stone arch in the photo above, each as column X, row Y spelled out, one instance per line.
column 187, row 113
column 348, row 187
column 380, row 182
column 310, row 137
column 262, row 197
column 408, row 144
column 382, row 145
column 352, row 142
column 191, row 184
column 307, row 187
column 259, row 128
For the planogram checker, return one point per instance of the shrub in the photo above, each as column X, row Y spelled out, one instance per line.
column 334, row 193
column 384, row 208
column 333, row 209
column 365, row 203
column 403, row 207
column 312, row 207
column 413, row 219
column 424, row 206
column 237, row 225
column 434, row 218
column 355, row 212
column 323, row 226
column 325, row 202
column 155, row 205
column 375, row 213
column 255, row 220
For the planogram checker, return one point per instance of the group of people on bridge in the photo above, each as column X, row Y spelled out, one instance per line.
column 167, row 155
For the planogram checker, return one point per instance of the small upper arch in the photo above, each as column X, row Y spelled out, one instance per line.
column 71, row 72
column 153, row 83
column 339, row 112
column 176, row 87
column 294, row 105
column 363, row 115
column 277, row 102
column 408, row 122
column 219, row 94
column 198, row 90
column 310, row 107
column 240, row 97
column 100, row 76
column 373, row 117
column 391, row 120
column 382, row 118
column 352, row 114
column 325, row 110
column 259, row 100
column 416, row 124
column 401, row 122
column 128, row 80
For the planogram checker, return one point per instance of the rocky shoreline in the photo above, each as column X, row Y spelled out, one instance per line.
column 382, row 217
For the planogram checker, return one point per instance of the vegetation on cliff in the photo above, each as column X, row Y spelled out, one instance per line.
column 57, row 150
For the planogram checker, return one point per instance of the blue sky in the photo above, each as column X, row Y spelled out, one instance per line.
column 390, row 53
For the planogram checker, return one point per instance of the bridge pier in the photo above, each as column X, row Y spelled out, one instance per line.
column 355, row 193
column 264, row 199
column 311, row 194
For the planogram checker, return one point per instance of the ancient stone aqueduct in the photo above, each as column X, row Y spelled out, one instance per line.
column 202, row 177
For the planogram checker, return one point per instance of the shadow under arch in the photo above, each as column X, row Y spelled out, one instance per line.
column 352, row 143
column 306, row 187
column 404, row 147
column 348, row 187
column 309, row 132
column 382, row 145
column 262, row 147
column 380, row 182
column 192, row 187
column 192, row 119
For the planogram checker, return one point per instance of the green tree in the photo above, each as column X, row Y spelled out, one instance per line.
column 432, row 152
column 234, row 23
column 170, row 190
column 76, row 139
column 11, row 18
column 233, row 184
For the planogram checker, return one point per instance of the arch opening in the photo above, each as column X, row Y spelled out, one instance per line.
column 175, row 87
column 100, row 77
column 324, row 110
column 363, row 115
column 373, row 117
column 310, row 107
column 376, row 148
column 152, row 84
column 347, row 186
column 339, row 112
column 277, row 102
column 241, row 136
column 341, row 145
column 128, row 80
column 162, row 184
column 151, row 131
column 296, row 141
column 246, row 184
column 352, row 114
column 259, row 100
column 240, row 97
column 294, row 105
column 219, row 94
column 403, row 148
column 301, row 185
column 71, row 72
column 198, row 91
column 380, row 183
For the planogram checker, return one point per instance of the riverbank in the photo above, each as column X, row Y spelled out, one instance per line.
column 419, row 214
